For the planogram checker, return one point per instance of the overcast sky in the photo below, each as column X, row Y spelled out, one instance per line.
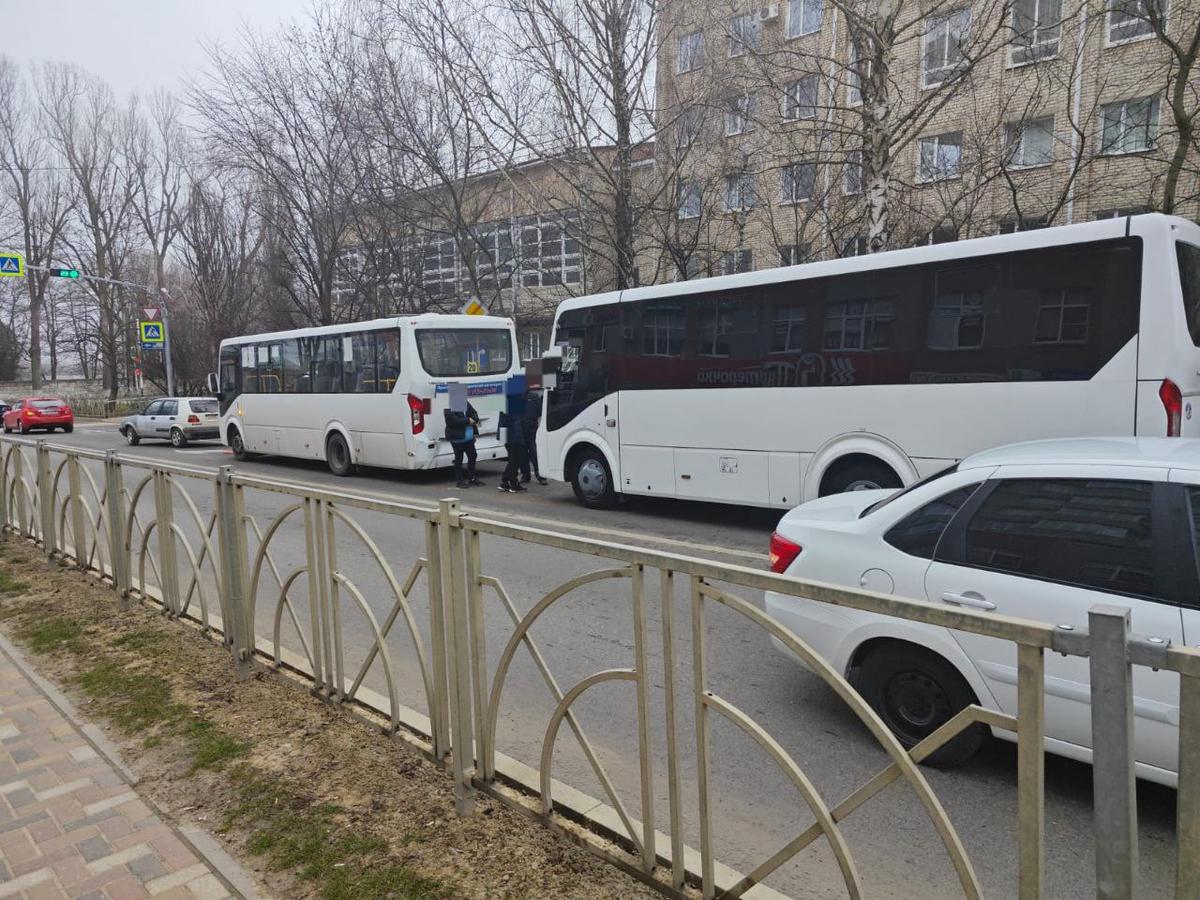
column 136, row 45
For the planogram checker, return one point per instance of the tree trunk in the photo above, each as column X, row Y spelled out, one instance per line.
column 1185, row 133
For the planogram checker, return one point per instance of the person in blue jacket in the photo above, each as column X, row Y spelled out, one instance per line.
column 461, row 429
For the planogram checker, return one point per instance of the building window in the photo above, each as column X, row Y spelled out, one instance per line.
column 943, row 234
column 852, row 173
column 739, row 114
column 689, row 200
column 794, row 254
column 804, row 17
column 1036, row 25
column 494, row 256
column 739, row 191
column 856, row 71
column 1026, row 223
column 533, row 345
column 859, row 325
column 439, row 269
column 688, row 126
column 1030, row 143
column 1131, row 20
column 945, row 37
column 940, row 157
column 737, row 261
column 550, row 254
column 662, row 332
column 691, row 52
column 853, row 246
column 800, row 99
column 745, row 33
column 798, row 182
column 788, row 328
column 1062, row 317
column 1120, row 212
column 1129, row 126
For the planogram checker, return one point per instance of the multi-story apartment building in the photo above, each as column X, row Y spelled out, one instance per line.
column 990, row 115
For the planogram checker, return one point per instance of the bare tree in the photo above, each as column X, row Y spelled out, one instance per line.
column 40, row 196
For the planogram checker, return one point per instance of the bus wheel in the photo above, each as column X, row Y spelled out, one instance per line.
column 337, row 454
column 593, row 482
column 237, row 445
column 864, row 474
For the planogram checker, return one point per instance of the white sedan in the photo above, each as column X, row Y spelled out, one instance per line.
column 1041, row 530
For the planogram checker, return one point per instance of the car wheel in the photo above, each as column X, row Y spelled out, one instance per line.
column 915, row 692
column 132, row 438
column 178, row 438
column 593, row 482
column 860, row 476
column 7, row 430
column 237, row 445
column 67, row 429
column 337, row 454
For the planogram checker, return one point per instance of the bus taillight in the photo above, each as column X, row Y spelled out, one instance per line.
column 420, row 407
column 1172, row 401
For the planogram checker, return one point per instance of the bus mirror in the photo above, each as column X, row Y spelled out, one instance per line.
column 212, row 383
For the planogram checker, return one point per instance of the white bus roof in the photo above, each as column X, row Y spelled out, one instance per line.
column 426, row 320
column 1102, row 229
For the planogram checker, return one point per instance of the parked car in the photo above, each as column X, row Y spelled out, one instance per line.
column 175, row 419
column 1041, row 530
column 32, row 413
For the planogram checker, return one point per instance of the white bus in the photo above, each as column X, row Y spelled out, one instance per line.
column 773, row 387
column 368, row 393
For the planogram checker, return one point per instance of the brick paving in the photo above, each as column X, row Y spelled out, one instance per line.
column 71, row 825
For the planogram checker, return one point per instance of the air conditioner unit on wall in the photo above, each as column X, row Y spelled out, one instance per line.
column 769, row 13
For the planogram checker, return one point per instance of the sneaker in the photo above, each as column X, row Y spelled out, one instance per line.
column 524, row 479
column 518, row 489
column 541, row 480
column 463, row 484
column 504, row 487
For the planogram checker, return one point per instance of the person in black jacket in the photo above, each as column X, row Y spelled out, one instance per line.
column 529, row 427
column 461, row 429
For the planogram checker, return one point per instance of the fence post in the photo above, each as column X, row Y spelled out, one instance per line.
column 1187, row 827
column 45, row 485
column 164, row 516
column 78, row 529
column 454, row 597
column 439, row 715
column 19, row 489
column 114, row 496
column 237, row 615
column 1114, row 790
column 5, row 481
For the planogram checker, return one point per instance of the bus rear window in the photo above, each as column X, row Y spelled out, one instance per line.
column 449, row 352
column 1189, row 281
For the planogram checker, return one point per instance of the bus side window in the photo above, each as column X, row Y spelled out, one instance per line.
column 249, row 369
column 387, row 359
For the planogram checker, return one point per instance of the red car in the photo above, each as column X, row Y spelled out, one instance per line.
column 39, row 412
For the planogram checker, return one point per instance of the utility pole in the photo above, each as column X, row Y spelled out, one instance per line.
column 167, row 342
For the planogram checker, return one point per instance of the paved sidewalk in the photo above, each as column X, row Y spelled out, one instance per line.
column 71, row 824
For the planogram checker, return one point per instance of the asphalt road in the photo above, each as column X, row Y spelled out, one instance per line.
column 756, row 809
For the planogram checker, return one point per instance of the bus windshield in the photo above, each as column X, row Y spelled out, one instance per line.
column 449, row 352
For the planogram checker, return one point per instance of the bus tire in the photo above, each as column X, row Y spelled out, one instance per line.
column 859, row 474
column 592, row 480
column 337, row 454
column 238, row 445
column 915, row 692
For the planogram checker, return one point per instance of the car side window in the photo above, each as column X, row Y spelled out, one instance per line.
column 19, row 405
column 154, row 409
column 918, row 533
column 1091, row 533
column 169, row 408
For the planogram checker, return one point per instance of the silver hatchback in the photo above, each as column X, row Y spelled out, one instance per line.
column 174, row 419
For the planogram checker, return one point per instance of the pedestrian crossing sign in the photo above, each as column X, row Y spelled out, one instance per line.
column 152, row 332
column 12, row 265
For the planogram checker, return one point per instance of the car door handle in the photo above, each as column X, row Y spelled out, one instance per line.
column 971, row 599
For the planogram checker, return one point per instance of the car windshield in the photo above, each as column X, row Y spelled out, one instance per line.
column 464, row 351
column 45, row 404
column 203, row 406
column 880, row 504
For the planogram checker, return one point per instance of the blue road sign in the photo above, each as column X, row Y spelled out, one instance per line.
column 152, row 332
column 155, row 346
column 12, row 265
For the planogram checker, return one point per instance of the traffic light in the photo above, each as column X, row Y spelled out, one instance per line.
column 64, row 273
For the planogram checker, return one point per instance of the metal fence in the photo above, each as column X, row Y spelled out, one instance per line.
column 310, row 589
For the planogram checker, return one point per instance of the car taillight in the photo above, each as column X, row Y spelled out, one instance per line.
column 420, row 407
column 193, row 420
column 1172, row 401
column 30, row 411
column 783, row 552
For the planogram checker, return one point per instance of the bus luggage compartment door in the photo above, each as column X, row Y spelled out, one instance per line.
column 730, row 476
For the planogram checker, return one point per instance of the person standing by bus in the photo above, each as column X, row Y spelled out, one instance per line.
column 512, row 422
column 529, row 426
column 461, row 428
